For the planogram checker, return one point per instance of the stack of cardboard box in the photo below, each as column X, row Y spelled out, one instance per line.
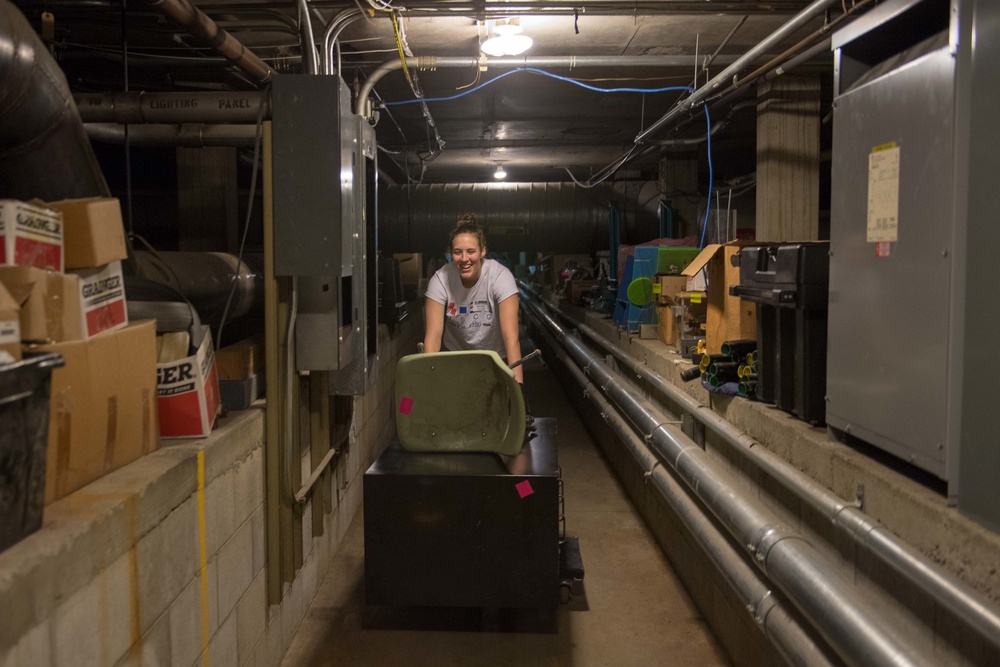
column 62, row 267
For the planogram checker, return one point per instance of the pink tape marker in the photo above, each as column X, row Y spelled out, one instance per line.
column 406, row 405
column 524, row 489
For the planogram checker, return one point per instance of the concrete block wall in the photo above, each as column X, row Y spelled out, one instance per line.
column 117, row 574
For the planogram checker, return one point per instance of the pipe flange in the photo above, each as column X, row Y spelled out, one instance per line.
column 763, row 607
column 766, row 538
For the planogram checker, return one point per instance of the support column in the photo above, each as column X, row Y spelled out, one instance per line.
column 788, row 159
column 679, row 187
column 206, row 198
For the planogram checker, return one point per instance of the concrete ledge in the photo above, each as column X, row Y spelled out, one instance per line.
column 917, row 514
column 86, row 532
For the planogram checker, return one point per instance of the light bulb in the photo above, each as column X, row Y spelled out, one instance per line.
column 506, row 45
column 500, row 174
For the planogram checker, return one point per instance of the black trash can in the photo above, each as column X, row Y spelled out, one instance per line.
column 24, row 435
column 790, row 284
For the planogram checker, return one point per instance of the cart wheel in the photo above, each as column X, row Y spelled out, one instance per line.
column 565, row 592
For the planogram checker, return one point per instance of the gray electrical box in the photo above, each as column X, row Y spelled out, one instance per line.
column 321, row 225
column 891, row 230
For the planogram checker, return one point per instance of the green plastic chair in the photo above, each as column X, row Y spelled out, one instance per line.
column 458, row 402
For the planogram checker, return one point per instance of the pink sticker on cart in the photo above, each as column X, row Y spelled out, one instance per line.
column 406, row 405
column 524, row 489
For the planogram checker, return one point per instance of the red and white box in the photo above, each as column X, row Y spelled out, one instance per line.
column 30, row 235
column 188, row 392
column 102, row 298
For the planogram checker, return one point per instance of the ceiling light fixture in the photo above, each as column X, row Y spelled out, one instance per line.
column 500, row 174
column 505, row 38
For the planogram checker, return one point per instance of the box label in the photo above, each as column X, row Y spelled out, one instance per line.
column 10, row 332
column 102, row 294
column 32, row 236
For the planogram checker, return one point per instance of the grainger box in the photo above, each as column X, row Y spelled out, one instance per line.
column 57, row 307
column 188, row 390
column 30, row 235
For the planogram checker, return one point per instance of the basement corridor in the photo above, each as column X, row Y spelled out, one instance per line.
column 630, row 610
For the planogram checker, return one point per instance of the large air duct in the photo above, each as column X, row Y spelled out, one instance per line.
column 517, row 217
column 44, row 151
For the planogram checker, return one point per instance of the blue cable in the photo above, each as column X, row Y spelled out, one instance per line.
column 708, row 205
column 543, row 73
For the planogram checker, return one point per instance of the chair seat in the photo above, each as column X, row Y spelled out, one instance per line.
column 458, row 402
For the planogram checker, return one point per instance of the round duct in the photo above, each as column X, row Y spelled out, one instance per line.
column 517, row 217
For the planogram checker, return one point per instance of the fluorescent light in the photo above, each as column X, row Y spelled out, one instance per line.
column 500, row 174
column 507, row 45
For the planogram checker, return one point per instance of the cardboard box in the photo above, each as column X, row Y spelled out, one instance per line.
column 188, row 388
column 58, row 307
column 30, row 235
column 102, row 412
column 728, row 317
column 10, row 326
column 241, row 360
column 93, row 233
column 667, row 326
column 666, row 288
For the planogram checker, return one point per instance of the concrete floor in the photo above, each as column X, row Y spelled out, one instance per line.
column 629, row 610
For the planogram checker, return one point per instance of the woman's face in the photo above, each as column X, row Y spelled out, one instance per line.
column 468, row 257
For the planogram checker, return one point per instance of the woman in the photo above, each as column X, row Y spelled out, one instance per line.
column 472, row 302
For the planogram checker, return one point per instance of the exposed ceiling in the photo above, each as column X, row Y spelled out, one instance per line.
column 536, row 126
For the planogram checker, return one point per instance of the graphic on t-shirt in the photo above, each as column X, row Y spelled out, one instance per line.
column 480, row 312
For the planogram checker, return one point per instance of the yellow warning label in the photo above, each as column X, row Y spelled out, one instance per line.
column 884, row 147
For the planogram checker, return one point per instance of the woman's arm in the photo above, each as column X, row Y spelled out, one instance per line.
column 511, row 337
column 433, row 325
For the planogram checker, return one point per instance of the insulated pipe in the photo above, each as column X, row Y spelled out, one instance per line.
column 769, row 611
column 196, row 135
column 201, row 26
column 205, row 279
column 868, row 535
column 138, row 107
column 435, row 62
column 859, row 636
column 44, row 151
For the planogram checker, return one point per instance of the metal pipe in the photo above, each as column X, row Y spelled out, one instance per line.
column 309, row 57
column 796, row 22
column 44, row 151
column 718, row 125
column 769, row 611
column 139, row 107
column 966, row 604
column 196, row 135
column 435, row 62
column 828, row 600
column 332, row 32
column 201, row 26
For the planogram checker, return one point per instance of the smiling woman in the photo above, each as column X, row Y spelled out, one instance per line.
column 472, row 302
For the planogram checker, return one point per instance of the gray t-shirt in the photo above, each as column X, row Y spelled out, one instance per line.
column 472, row 315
